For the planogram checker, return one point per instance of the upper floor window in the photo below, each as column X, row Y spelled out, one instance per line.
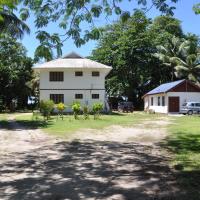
column 158, row 101
column 152, row 101
column 56, row 76
column 95, row 73
column 78, row 73
column 57, row 98
column 163, row 100
column 78, row 96
column 95, row 96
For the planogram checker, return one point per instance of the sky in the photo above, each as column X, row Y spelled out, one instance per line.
column 190, row 24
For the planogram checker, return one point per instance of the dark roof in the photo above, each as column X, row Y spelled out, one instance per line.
column 72, row 55
column 164, row 87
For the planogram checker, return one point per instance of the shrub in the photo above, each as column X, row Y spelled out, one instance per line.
column 76, row 107
column 35, row 115
column 46, row 107
column 86, row 112
column 60, row 107
column 97, row 108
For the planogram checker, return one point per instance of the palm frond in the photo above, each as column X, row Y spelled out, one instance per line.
column 181, row 68
column 12, row 24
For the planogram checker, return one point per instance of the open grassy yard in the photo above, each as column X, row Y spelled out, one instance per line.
column 57, row 126
column 132, row 157
column 184, row 142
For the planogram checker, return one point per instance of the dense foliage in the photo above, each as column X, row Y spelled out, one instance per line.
column 46, row 107
column 61, row 107
column 76, row 108
column 97, row 108
column 15, row 72
column 130, row 49
column 77, row 19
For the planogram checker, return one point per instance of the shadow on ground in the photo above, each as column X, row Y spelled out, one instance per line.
column 186, row 147
column 90, row 170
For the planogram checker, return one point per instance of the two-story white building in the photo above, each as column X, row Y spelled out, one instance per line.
column 73, row 78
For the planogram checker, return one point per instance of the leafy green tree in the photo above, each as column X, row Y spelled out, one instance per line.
column 61, row 107
column 97, row 108
column 15, row 72
column 46, row 107
column 76, row 108
column 70, row 15
column 129, row 47
column 196, row 8
column 164, row 28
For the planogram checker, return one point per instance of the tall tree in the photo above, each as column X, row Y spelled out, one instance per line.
column 70, row 16
column 15, row 71
column 183, row 56
column 129, row 48
column 9, row 22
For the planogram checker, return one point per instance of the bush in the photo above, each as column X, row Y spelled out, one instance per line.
column 76, row 107
column 35, row 115
column 97, row 108
column 46, row 107
column 86, row 112
column 61, row 107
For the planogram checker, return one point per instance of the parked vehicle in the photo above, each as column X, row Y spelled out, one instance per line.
column 125, row 106
column 190, row 108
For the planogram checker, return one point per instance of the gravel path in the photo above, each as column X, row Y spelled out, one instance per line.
column 116, row 163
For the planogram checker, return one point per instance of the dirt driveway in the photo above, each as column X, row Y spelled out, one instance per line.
column 114, row 163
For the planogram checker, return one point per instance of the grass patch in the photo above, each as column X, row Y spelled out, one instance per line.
column 68, row 125
column 184, row 141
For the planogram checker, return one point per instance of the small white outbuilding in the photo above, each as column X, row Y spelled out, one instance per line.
column 169, row 97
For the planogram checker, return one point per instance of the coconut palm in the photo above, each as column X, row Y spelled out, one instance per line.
column 11, row 24
column 183, row 57
column 188, row 68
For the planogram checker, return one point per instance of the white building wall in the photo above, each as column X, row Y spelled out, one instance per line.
column 183, row 96
column 69, row 96
column 86, row 85
column 87, row 81
column 155, row 107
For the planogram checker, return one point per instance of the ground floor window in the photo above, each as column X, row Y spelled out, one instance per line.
column 158, row 101
column 152, row 101
column 78, row 96
column 95, row 96
column 57, row 98
column 163, row 100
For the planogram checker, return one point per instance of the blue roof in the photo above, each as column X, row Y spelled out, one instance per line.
column 164, row 87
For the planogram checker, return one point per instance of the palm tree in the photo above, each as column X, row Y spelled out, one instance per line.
column 11, row 24
column 188, row 68
column 183, row 57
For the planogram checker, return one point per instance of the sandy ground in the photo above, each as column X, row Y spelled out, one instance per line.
column 115, row 163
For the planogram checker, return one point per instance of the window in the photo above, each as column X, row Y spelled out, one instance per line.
column 95, row 73
column 158, row 101
column 152, row 101
column 56, row 76
column 78, row 73
column 95, row 96
column 163, row 100
column 57, row 98
column 78, row 96
column 197, row 104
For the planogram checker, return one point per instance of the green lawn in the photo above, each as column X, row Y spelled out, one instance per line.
column 184, row 141
column 68, row 125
